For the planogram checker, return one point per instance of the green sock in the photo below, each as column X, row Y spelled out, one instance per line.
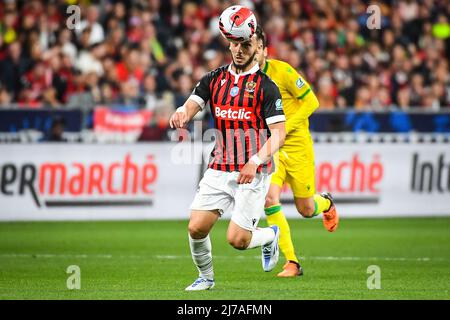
column 321, row 204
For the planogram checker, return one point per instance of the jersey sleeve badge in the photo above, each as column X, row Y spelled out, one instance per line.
column 300, row 83
column 278, row 105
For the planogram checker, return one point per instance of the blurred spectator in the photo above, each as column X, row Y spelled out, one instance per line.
column 137, row 52
column 183, row 88
column 404, row 98
column 441, row 29
column 5, row 98
column 90, row 60
column 37, row 80
column 49, row 98
column 129, row 94
column 96, row 33
column 157, row 129
column 417, row 90
column 107, row 94
column 326, row 92
column 130, row 67
column 149, row 92
column 55, row 134
column 79, row 96
column 13, row 67
column 8, row 27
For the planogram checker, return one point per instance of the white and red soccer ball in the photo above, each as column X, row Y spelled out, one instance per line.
column 237, row 23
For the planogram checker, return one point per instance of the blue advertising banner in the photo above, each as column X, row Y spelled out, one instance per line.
column 19, row 119
column 14, row 120
column 393, row 121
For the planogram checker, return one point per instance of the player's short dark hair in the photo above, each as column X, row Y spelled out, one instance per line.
column 260, row 35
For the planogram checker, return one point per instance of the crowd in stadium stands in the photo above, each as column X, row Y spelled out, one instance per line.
column 149, row 54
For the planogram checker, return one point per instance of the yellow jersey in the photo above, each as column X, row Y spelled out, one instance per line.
column 299, row 101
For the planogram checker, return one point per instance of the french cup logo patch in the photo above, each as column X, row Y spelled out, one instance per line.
column 234, row 91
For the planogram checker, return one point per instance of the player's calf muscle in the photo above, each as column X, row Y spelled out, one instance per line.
column 238, row 243
column 305, row 206
column 238, row 237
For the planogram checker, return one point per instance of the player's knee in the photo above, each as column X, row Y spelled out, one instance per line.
column 238, row 242
column 196, row 231
column 306, row 210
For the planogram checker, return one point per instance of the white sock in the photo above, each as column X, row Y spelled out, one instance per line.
column 261, row 236
column 202, row 256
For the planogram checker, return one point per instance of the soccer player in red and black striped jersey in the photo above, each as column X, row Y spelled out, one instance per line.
column 249, row 121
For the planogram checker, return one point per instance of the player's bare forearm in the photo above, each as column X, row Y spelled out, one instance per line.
column 192, row 108
column 276, row 140
column 184, row 114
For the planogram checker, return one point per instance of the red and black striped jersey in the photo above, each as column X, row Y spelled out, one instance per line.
column 242, row 105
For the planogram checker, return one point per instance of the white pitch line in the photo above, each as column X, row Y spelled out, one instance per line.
column 53, row 255
column 174, row 257
column 319, row 258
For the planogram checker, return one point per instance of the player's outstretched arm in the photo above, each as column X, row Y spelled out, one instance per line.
column 193, row 104
column 299, row 89
column 307, row 106
column 276, row 140
column 184, row 114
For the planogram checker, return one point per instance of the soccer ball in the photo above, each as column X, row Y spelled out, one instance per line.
column 237, row 23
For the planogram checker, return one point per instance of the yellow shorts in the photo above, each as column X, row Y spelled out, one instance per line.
column 294, row 164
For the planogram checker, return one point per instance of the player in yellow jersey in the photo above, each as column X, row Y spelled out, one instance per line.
column 295, row 163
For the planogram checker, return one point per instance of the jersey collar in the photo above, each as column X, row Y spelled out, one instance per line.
column 254, row 69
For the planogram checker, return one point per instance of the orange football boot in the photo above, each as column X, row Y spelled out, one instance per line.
column 291, row 269
column 330, row 217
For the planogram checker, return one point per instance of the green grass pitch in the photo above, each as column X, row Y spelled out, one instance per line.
column 151, row 260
